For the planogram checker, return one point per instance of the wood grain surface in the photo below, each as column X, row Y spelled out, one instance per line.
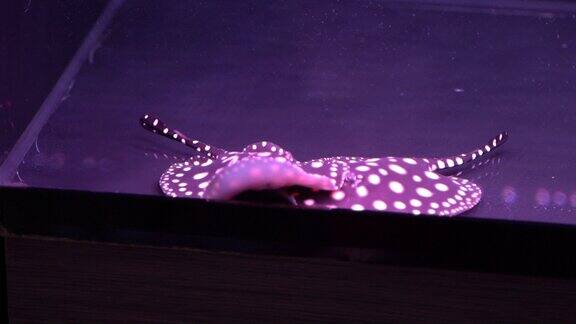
column 81, row 282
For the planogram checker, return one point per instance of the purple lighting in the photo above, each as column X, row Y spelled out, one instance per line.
column 399, row 184
column 542, row 197
column 559, row 198
column 509, row 195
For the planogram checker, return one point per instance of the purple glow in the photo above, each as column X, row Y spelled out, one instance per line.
column 398, row 184
column 573, row 200
column 509, row 195
column 542, row 197
column 559, row 198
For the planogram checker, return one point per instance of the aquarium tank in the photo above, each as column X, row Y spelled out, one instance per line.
column 334, row 160
column 414, row 79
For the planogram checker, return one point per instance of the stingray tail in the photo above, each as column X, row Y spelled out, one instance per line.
column 157, row 126
column 452, row 162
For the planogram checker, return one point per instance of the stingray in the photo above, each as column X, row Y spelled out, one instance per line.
column 397, row 184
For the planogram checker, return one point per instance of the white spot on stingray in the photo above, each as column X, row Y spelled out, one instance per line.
column 333, row 174
column 204, row 185
column 494, row 143
column 182, row 184
column 264, row 143
column 500, row 137
column 396, row 187
column 459, row 161
column 480, row 152
column 362, row 191
column 183, row 141
column 374, row 179
column 309, row 202
column 338, row 195
column 432, row 175
column 383, row 172
column 155, row 123
column 264, row 154
column 441, row 187
column 441, row 164
column 207, row 148
column 372, row 160
column 434, row 205
column 452, row 201
column 416, row 212
column 175, row 180
column 207, row 163
column 175, row 136
column 473, row 156
column 445, row 204
column 281, row 159
column 415, row 202
column 431, row 211
column 450, row 163
column 396, row 168
column 399, row 205
column 254, row 146
column 181, row 189
column 357, row 207
column 165, row 131
column 423, row 192
column 199, row 176
column 362, row 168
column 409, row 161
column 179, row 175
column 188, row 193
column 316, row 164
column 273, row 149
column 379, row 205
column 416, row 178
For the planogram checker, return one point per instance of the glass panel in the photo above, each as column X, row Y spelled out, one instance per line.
column 322, row 78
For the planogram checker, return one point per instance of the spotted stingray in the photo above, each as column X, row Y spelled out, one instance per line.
column 398, row 184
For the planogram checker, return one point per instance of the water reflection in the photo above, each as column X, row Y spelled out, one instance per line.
column 542, row 197
column 509, row 195
column 559, row 198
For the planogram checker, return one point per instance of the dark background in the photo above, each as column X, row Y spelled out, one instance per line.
column 37, row 40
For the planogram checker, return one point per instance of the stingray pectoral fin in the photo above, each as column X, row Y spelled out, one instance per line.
column 262, row 173
column 402, row 185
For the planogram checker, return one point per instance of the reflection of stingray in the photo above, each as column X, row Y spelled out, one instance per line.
column 159, row 153
column 406, row 185
column 490, row 172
